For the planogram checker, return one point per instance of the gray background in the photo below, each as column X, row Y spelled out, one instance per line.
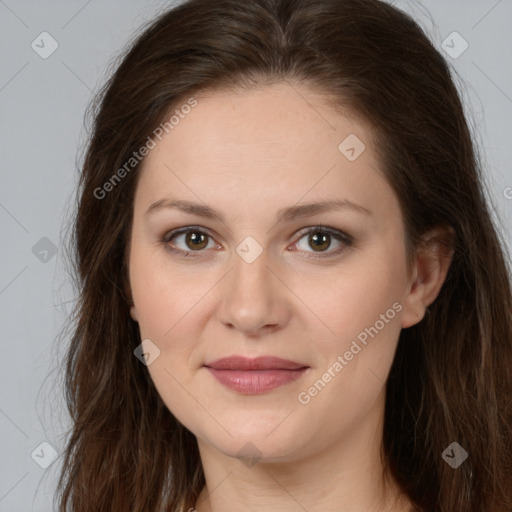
column 42, row 103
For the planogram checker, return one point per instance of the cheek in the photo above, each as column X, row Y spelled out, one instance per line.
column 172, row 305
column 364, row 292
column 362, row 313
column 167, row 304
column 353, row 365
column 164, row 297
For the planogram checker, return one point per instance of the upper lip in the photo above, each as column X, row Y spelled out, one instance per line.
column 258, row 363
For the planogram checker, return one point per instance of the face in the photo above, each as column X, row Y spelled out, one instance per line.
column 259, row 275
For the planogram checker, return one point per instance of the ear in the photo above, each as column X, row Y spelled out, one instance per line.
column 133, row 309
column 133, row 313
column 432, row 261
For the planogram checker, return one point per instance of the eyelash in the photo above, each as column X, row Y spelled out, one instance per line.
column 346, row 240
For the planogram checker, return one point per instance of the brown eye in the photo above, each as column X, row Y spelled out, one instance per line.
column 319, row 241
column 196, row 240
column 187, row 240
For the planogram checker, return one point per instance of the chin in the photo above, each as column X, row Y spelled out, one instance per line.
column 257, row 439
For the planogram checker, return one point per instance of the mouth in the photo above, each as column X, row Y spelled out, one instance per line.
column 255, row 376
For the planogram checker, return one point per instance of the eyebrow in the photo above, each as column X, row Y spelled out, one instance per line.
column 285, row 214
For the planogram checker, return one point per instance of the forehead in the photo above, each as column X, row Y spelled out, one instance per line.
column 274, row 139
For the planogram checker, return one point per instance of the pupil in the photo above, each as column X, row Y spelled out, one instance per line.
column 323, row 239
column 196, row 239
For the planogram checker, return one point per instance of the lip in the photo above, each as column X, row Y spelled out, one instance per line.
column 255, row 376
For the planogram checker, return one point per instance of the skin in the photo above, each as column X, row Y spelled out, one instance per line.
column 249, row 154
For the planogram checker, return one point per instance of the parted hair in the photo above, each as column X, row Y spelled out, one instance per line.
column 451, row 379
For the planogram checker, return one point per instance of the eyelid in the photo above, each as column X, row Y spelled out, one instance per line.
column 325, row 229
column 185, row 229
column 166, row 238
column 339, row 235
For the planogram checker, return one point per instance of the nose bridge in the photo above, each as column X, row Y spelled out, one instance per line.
column 250, row 280
column 251, row 296
column 251, row 267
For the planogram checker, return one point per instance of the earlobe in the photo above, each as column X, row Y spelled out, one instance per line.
column 133, row 310
column 432, row 263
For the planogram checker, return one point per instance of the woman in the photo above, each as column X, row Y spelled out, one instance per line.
column 292, row 294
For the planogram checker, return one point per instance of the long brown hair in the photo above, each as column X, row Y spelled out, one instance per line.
column 451, row 380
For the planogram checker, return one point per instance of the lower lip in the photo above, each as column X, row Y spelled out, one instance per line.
column 253, row 382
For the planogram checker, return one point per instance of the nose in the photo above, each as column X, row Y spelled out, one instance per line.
column 254, row 299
